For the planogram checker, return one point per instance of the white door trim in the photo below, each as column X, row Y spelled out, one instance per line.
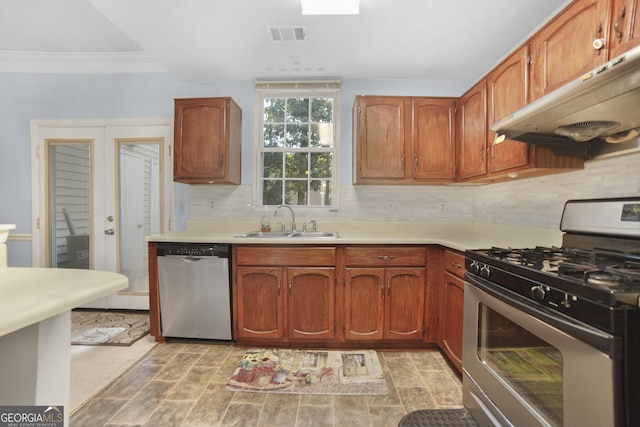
column 38, row 169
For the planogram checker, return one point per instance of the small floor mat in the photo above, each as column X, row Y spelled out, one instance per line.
column 108, row 327
column 438, row 418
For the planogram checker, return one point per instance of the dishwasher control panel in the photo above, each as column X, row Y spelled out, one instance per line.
column 193, row 249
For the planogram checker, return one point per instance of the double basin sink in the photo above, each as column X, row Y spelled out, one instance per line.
column 288, row 234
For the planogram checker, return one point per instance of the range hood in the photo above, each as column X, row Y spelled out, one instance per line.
column 596, row 114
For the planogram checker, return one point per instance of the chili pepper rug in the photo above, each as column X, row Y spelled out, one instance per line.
column 309, row 372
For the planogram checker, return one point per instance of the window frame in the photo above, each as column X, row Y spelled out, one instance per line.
column 296, row 89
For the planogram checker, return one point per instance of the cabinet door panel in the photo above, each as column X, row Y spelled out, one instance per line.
column 203, row 126
column 625, row 26
column 311, row 302
column 564, row 49
column 260, row 302
column 364, row 303
column 378, row 256
column 404, row 307
column 207, row 141
column 433, row 139
column 453, row 306
column 473, row 133
column 381, row 137
column 506, row 93
column 286, row 255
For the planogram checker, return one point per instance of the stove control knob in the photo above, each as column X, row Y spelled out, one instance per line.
column 485, row 271
column 537, row 293
column 474, row 267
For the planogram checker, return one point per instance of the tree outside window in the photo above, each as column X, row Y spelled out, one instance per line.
column 297, row 151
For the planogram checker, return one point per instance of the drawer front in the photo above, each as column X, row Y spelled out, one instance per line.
column 454, row 263
column 286, row 256
column 380, row 256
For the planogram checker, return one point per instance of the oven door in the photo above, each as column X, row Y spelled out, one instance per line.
column 526, row 366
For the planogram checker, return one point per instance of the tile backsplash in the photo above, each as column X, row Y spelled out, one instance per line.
column 534, row 202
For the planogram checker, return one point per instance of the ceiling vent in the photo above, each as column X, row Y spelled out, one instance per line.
column 290, row 33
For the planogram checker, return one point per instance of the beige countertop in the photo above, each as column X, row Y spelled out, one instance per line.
column 31, row 295
column 455, row 235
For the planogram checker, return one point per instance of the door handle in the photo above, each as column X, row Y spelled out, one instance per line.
column 109, row 231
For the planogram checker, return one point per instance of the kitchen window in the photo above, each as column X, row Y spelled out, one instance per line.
column 297, row 128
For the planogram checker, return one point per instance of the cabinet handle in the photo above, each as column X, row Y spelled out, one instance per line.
column 617, row 26
column 388, row 287
column 598, row 42
column 290, row 290
column 381, row 288
column 402, row 161
column 386, row 257
column 415, row 160
column 279, row 285
column 220, row 160
column 456, row 265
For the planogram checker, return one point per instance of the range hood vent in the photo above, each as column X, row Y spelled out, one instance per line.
column 585, row 116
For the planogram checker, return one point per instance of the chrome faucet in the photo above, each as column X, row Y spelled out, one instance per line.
column 293, row 216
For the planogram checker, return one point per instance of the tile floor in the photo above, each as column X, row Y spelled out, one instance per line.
column 183, row 385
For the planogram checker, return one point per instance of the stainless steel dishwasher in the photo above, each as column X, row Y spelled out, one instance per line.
column 194, row 290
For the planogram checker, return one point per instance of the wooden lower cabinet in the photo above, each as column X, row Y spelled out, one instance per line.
column 404, row 303
column 452, row 307
column 260, row 301
column 384, row 303
column 311, row 303
column 364, row 303
column 284, row 294
column 349, row 296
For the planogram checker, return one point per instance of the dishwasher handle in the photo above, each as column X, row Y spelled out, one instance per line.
column 192, row 258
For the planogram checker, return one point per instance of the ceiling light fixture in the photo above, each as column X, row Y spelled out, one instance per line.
column 330, row 7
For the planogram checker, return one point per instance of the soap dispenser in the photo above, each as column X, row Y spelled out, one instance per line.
column 265, row 223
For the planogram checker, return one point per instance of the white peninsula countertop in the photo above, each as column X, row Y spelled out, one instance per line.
column 461, row 235
column 31, row 295
column 35, row 330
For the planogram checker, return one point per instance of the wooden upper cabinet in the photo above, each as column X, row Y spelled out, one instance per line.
column 207, row 141
column 404, row 140
column 433, row 137
column 472, row 133
column 563, row 50
column 507, row 92
column 624, row 35
column 380, row 138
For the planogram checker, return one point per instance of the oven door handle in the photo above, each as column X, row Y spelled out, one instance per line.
column 601, row 340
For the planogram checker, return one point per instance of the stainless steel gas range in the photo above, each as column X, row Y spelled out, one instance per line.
column 552, row 334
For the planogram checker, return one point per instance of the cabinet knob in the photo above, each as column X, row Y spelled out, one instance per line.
column 598, row 42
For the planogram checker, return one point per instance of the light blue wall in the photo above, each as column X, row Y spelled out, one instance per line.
column 28, row 97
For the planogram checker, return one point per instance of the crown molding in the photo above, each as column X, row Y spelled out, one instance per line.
column 78, row 62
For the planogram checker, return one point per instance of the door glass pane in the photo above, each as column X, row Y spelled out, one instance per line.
column 139, row 213
column 531, row 366
column 69, row 205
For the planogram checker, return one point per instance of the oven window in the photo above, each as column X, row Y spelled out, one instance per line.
column 529, row 364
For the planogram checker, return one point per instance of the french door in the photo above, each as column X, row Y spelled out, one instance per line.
column 98, row 190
